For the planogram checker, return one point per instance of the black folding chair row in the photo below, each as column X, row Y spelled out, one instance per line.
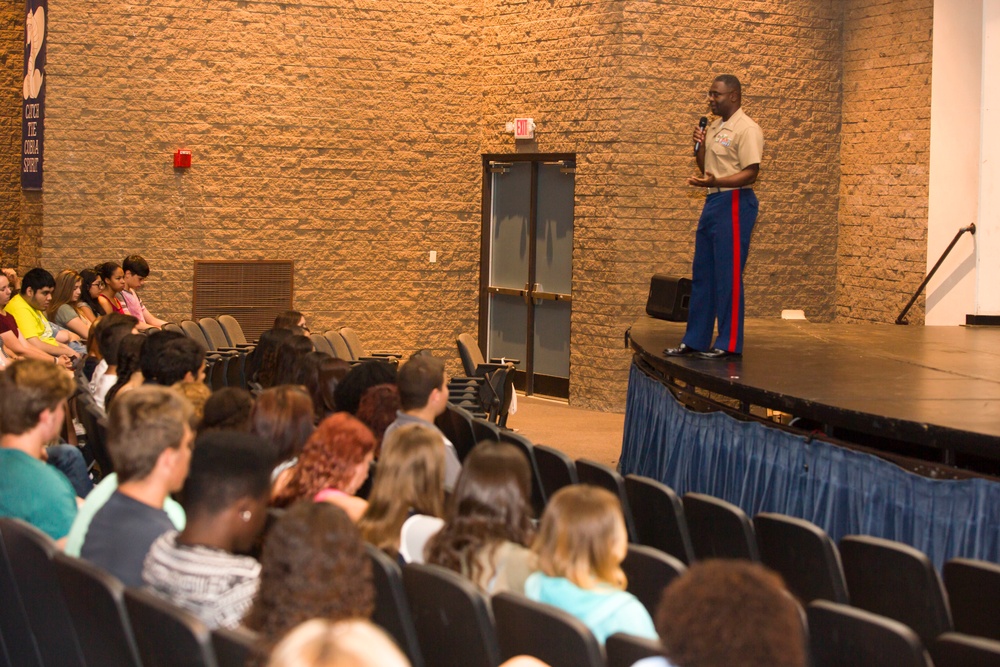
column 441, row 618
column 96, row 426
column 843, row 635
column 228, row 360
column 60, row 610
column 883, row 577
column 493, row 380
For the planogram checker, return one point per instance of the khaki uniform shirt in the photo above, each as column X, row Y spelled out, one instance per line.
column 733, row 145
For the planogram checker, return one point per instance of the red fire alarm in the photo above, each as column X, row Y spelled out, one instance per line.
column 182, row 159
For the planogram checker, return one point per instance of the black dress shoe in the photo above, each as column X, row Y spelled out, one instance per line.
column 681, row 350
column 716, row 353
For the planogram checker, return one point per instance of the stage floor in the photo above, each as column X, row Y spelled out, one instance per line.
column 932, row 386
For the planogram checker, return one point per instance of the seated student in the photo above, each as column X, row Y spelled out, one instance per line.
column 225, row 500
column 136, row 270
column 407, row 495
column 290, row 353
column 127, row 368
column 377, row 410
column 332, row 466
column 314, row 565
column 423, row 396
column 349, row 643
column 28, row 309
column 110, row 331
column 488, row 526
column 179, row 360
column 347, row 395
column 95, row 361
column 729, row 612
column 580, row 545
column 5, row 361
column 15, row 345
column 283, row 417
column 262, row 362
column 197, row 393
column 320, row 374
column 290, row 318
column 149, row 439
column 227, row 409
column 149, row 362
column 33, row 397
column 12, row 277
column 64, row 309
column 90, row 286
column 129, row 353
column 109, row 298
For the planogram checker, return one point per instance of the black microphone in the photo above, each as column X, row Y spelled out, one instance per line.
column 702, row 122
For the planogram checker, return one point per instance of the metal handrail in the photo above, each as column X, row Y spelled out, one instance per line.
column 902, row 316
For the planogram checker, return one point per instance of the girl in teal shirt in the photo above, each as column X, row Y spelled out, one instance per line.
column 581, row 545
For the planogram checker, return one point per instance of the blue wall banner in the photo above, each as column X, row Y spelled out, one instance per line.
column 33, row 103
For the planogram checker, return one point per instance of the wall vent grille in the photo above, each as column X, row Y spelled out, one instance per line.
column 253, row 292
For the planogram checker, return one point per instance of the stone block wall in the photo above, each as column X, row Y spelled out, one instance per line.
column 560, row 63
column 621, row 85
column 347, row 136
column 337, row 134
column 885, row 158
column 11, row 65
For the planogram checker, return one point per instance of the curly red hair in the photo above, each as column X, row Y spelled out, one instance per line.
column 329, row 459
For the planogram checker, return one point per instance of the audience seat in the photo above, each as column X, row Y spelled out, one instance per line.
column 321, row 344
column 217, row 362
column 804, row 555
column 456, row 424
column 526, row 627
column 96, row 603
column 649, row 571
column 30, row 552
column 555, row 470
column 360, row 353
column 392, row 611
column 233, row 331
column 483, row 429
column 897, row 581
column 840, row 635
column 167, row 636
column 339, row 347
column 659, row 517
column 217, row 338
column 473, row 360
column 497, row 376
column 218, row 343
column 719, row 529
column 625, row 650
column 528, row 449
column 452, row 618
column 95, row 424
column 173, row 327
column 19, row 643
column 465, row 393
column 598, row 474
column 973, row 592
column 237, row 647
column 953, row 649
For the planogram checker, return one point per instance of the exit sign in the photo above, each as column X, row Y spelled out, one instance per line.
column 524, row 128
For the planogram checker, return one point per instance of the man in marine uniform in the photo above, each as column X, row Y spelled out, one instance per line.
column 728, row 154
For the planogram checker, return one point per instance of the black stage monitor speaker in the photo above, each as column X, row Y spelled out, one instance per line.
column 668, row 298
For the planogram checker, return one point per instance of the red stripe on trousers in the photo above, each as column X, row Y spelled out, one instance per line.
column 734, row 319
